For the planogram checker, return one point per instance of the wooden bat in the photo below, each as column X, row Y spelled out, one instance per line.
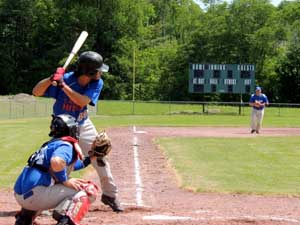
column 81, row 39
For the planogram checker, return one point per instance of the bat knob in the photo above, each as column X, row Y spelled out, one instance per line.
column 54, row 83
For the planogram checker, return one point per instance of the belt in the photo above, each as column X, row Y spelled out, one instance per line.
column 27, row 194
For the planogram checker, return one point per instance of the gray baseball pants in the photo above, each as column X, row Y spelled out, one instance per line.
column 256, row 119
column 43, row 198
column 88, row 133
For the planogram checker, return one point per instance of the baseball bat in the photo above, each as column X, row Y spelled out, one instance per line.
column 81, row 39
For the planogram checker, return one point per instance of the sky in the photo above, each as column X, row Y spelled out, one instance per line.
column 274, row 2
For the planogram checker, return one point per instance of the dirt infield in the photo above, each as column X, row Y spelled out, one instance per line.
column 150, row 195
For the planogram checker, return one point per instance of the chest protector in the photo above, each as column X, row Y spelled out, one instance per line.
column 37, row 159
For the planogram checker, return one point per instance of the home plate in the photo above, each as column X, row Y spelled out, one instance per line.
column 164, row 217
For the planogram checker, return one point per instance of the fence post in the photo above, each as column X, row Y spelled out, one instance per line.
column 133, row 107
column 23, row 110
column 240, row 105
column 10, row 108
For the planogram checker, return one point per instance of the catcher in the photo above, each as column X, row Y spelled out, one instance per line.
column 45, row 183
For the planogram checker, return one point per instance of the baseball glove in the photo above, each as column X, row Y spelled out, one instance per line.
column 257, row 104
column 101, row 147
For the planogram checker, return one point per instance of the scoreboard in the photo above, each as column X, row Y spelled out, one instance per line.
column 221, row 78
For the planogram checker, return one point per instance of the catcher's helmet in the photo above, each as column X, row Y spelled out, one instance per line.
column 90, row 62
column 64, row 125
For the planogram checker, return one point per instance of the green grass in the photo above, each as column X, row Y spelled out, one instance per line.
column 265, row 165
column 193, row 120
column 186, row 108
column 20, row 137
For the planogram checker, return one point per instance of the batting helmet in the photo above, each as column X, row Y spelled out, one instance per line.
column 64, row 125
column 90, row 62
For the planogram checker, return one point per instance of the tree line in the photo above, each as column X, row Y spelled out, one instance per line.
column 154, row 41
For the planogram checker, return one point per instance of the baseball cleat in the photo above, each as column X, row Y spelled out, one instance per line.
column 252, row 131
column 112, row 202
column 65, row 220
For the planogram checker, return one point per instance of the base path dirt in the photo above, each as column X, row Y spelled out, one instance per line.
column 149, row 191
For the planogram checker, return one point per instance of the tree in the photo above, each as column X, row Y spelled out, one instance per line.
column 289, row 69
column 15, row 51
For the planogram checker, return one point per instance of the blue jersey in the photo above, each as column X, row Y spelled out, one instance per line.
column 262, row 98
column 33, row 176
column 64, row 104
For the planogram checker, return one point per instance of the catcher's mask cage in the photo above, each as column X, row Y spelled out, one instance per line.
column 90, row 63
column 64, row 125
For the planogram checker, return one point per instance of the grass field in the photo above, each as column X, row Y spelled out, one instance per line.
column 20, row 137
column 262, row 165
column 187, row 108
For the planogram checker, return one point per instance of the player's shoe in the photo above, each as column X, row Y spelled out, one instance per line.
column 252, row 131
column 65, row 220
column 112, row 202
column 257, row 131
column 25, row 217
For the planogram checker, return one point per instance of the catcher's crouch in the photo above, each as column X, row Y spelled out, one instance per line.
column 44, row 183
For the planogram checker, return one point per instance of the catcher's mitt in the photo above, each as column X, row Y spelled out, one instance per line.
column 101, row 147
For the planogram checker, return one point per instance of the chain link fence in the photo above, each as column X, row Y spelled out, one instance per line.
column 27, row 106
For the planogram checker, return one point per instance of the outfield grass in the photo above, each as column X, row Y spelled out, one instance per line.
column 264, row 165
column 109, row 107
column 193, row 120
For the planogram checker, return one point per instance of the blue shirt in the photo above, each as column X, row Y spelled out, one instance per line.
column 64, row 104
column 31, row 177
column 262, row 98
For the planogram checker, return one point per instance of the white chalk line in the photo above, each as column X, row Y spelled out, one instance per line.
column 138, row 180
column 222, row 218
column 138, row 131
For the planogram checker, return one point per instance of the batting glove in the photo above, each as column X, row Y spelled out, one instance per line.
column 57, row 77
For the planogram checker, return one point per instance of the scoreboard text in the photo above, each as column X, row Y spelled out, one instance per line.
column 221, row 78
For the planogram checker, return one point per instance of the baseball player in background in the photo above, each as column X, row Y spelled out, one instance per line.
column 73, row 92
column 45, row 184
column 258, row 101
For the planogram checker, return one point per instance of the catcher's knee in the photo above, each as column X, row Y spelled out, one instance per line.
column 73, row 208
column 77, row 206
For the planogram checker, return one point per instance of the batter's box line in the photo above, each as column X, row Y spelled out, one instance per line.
column 220, row 218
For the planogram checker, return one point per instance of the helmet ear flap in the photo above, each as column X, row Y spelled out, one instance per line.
column 52, row 127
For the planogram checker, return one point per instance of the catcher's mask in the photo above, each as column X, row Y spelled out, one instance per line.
column 90, row 63
column 64, row 125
